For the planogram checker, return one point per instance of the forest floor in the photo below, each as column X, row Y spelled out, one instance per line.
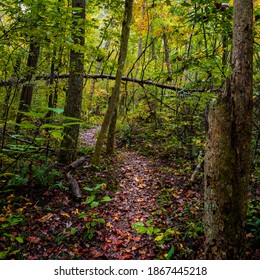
column 134, row 207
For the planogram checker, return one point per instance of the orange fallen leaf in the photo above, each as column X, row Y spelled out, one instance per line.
column 108, row 224
column 46, row 217
column 137, row 238
column 65, row 214
column 135, row 247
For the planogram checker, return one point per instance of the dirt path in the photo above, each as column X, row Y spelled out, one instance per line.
column 88, row 137
column 134, row 201
column 51, row 224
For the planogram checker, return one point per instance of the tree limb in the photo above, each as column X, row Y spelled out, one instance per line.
column 74, row 186
column 12, row 81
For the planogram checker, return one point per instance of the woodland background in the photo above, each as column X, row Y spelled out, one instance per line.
column 178, row 59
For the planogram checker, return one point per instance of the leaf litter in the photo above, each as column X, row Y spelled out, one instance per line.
column 148, row 212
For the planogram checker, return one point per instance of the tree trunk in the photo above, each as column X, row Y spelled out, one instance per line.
column 93, row 83
column 27, row 89
column 228, row 154
column 74, row 94
column 113, row 102
column 111, row 134
column 167, row 55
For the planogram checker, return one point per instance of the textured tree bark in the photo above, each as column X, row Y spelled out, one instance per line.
column 74, row 94
column 116, row 90
column 27, row 89
column 111, row 134
column 167, row 54
column 228, row 152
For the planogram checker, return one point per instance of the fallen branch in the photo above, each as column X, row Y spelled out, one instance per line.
column 74, row 186
column 198, row 167
column 11, row 82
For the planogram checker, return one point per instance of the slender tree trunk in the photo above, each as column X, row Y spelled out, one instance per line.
column 167, row 54
column 93, row 83
column 111, row 134
column 228, row 155
column 113, row 102
column 52, row 79
column 9, row 88
column 27, row 89
column 76, row 79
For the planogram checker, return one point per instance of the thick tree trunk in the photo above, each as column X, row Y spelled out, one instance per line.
column 27, row 89
column 113, row 102
column 74, row 94
column 228, row 155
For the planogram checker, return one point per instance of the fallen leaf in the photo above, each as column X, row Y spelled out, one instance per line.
column 45, row 218
column 108, row 224
column 136, row 238
column 135, row 247
column 125, row 256
column 95, row 253
column 105, row 246
column 65, row 214
column 34, row 239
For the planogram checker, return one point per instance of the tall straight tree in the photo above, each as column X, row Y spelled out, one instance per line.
column 113, row 102
column 76, row 79
column 27, row 89
column 228, row 160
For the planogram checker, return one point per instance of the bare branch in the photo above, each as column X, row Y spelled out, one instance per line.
column 110, row 77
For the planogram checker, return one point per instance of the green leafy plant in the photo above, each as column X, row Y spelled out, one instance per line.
column 44, row 175
column 92, row 221
column 20, row 177
column 160, row 235
column 253, row 222
column 193, row 230
column 93, row 200
column 6, row 229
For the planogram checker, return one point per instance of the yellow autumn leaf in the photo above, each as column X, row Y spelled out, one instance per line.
column 65, row 214
column 108, row 224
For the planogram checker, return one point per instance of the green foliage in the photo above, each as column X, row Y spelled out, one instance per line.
column 93, row 200
column 41, row 176
column 157, row 122
column 7, row 229
column 253, row 223
column 160, row 235
column 194, row 229
column 11, row 221
column 20, row 178
column 45, row 176
column 92, row 222
column 17, row 181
